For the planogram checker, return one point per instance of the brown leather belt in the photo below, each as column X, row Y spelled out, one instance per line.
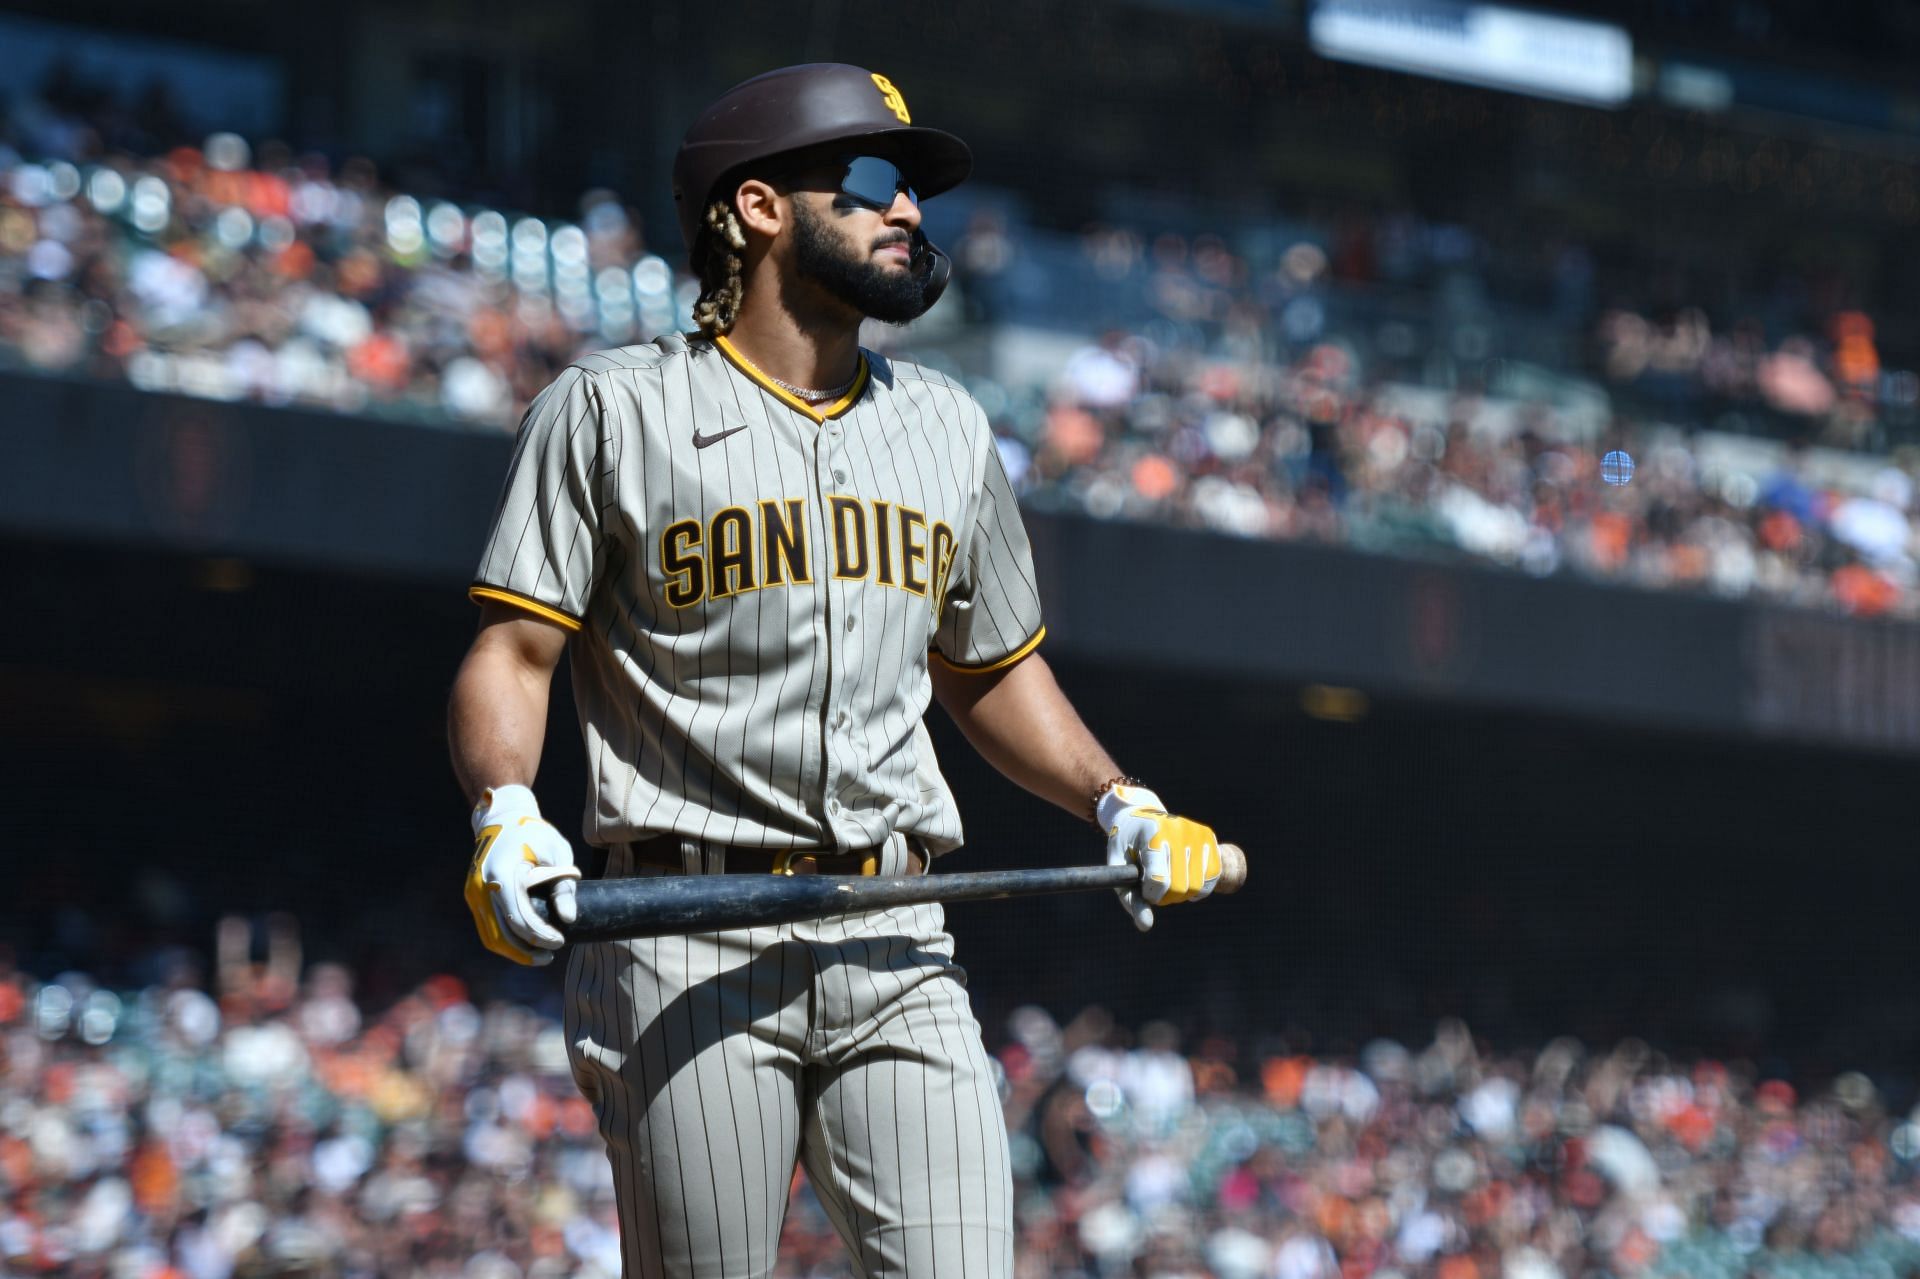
column 664, row 853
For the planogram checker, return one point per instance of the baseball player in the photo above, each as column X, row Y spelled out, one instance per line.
column 766, row 550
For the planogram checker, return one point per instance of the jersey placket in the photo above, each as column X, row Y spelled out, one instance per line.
column 831, row 475
column 807, row 606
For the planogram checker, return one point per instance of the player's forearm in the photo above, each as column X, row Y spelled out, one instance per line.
column 496, row 720
column 1022, row 724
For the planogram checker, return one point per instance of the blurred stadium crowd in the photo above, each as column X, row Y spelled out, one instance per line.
column 1289, row 400
column 277, row 1127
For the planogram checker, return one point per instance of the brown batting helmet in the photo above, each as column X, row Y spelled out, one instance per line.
column 796, row 109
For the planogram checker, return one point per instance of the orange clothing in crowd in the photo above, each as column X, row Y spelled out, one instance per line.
column 1863, row 592
column 1612, row 536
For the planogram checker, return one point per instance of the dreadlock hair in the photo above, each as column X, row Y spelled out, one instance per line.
column 716, row 255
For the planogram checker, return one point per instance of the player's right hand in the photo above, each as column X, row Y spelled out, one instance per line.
column 1179, row 859
column 515, row 851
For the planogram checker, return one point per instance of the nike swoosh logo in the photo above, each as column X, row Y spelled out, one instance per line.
column 701, row 441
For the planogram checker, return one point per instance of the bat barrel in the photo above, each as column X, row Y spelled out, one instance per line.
column 610, row 909
column 654, row 906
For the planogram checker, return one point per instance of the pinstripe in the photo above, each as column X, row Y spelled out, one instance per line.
column 612, row 1100
column 641, row 1123
column 673, row 503
column 663, row 1103
column 602, row 678
column 616, row 1119
column 926, row 1134
column 700, row 1097
column 982, row 554
column 898, row 1180
column 591, row 498
column 711, row 724
column 982, row 1076
column 969, row 1035
column 634, row 1128
column 678, row 726
column 780, row 1037
column 533, row 506
column 815, row 590
column 749, row 1173
column 720, row 1017
column 544, row 565
column 954, row 1099
column 759, row 632
column 859, row 1240
column 630, row 708
column 731, row 618
column 954, row 439
column 520, row 437
column 913, row 641
column 901, row 1032
column 998, row 535
column 890, row 681
column 602, row 674
column 685, row 736
column 866, row 1079
column 530, row 430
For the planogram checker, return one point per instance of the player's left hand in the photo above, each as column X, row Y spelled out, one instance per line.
column 516, row 851
column 1179, row 859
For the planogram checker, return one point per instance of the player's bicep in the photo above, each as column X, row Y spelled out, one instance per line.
column 524, row 640
column 544, row 551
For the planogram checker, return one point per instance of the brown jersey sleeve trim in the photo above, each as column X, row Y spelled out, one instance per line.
column 997, row 664
column 565, row 621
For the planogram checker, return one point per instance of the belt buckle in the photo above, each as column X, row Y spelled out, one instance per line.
column 783, row 863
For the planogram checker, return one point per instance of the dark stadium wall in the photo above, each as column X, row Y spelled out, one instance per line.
column 109, row 463
column 187, row 736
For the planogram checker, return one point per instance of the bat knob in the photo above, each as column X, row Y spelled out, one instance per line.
column 1233, row 869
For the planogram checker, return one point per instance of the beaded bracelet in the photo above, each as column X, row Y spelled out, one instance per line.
column 1093, row 805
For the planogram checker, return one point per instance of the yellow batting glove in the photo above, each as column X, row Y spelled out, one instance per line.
column 1179, row 859
column 516, row 851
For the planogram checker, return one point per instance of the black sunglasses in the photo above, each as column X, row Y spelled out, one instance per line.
column 873, row 183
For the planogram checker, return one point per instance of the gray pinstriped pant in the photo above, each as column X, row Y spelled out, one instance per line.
column 714, row 1061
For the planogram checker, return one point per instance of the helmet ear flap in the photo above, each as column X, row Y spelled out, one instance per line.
column 938, row 270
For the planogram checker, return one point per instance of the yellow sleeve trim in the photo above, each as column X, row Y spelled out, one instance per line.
column 787, row 397
column 1002, row 664
column 564, row 621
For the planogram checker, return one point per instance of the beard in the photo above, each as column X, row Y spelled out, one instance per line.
column 826, row 259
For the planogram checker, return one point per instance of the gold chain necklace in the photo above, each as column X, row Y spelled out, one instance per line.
column 801, row 392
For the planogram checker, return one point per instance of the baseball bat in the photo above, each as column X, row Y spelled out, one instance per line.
column 655, row 906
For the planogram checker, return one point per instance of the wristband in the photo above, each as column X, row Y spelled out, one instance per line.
column 1093, row 803
column 1108, row 794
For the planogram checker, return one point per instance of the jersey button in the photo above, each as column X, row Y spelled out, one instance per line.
column 839, row 477
column 833, row 806
column 849, row 623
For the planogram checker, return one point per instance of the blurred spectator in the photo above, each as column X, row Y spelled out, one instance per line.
column 272, row 1126
column 215, row 272
column 1280, row 395
column 1311, row 450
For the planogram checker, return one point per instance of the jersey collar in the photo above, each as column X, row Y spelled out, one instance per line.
column 785, row 396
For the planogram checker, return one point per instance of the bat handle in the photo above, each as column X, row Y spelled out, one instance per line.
column 1233, row 869
column 540, row 892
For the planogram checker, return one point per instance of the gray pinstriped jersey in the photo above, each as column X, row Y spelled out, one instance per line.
column 755, row 587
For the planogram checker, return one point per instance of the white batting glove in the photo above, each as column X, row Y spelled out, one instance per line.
column 516, row 850
column 1179, row 859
